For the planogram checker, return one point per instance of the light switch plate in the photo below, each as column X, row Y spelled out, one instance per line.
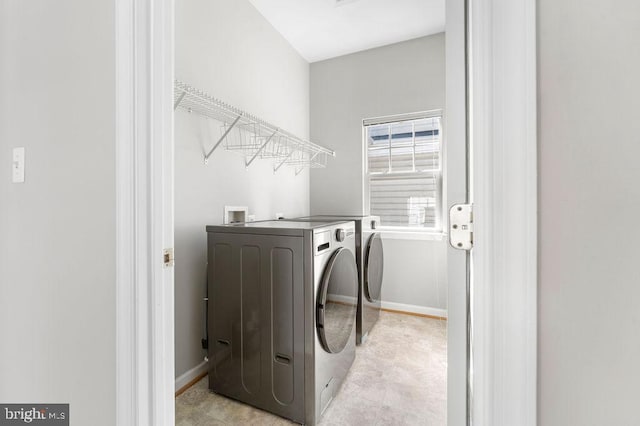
column 17, row 167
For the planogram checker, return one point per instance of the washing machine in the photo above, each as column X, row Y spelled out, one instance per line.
column 370, row 262
column 283, row 298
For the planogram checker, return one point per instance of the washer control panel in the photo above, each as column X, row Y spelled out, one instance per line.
column 332, row 238
column 322, row 242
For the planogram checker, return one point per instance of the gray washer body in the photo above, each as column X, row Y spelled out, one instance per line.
column 264, row 347
column 369, row 302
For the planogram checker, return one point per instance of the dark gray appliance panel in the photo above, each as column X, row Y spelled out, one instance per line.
column 283, row 322
column 250, row 297
column 223, row 365
column 256, row 280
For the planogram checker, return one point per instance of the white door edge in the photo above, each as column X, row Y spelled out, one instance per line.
column 455, row 192
column 504, row 258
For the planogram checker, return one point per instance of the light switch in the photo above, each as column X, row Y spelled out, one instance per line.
column 18, row 165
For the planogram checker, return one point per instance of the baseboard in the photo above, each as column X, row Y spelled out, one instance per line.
column 414, row 309
column 397, row 307
column 184, row 381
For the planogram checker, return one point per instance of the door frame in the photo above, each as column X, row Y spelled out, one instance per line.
column 503, row 312
column 145, row 371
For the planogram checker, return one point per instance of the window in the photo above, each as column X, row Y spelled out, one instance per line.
column 404, row 169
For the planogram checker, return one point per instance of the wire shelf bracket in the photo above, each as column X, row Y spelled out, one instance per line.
column 247, row 164
column 283, row 161
column 253, row 137
column 223, row 137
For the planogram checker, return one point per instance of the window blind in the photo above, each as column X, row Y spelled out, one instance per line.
column 405, row 201
column 404, row 170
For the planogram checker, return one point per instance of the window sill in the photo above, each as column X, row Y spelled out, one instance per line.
column 396, row 234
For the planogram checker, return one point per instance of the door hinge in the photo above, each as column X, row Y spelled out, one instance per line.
column 168, row 257
column 461, row 226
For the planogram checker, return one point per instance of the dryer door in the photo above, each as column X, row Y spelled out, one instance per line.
column 337, row 301
column 373, row 268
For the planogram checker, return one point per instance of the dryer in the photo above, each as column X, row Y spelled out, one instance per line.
column 282, row 313
column 370, row 261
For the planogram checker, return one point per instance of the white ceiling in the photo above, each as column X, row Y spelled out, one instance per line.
column 322, row 29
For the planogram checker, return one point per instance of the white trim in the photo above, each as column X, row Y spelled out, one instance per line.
column 407, row 116
column 393, row 234
column 185, row 378
column 144, row 181
column 161, row 215
column 503, row 117
column 455, row 191
column 414, row 309
column 127, row 383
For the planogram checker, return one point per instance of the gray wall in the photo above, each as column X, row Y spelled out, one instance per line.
column 589, row 142
column 229, row 50
column 57, row 230
column 399, row 78
column 415, row 273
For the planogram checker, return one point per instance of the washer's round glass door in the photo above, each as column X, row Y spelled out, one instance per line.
column 337, row 301
column 373, row 268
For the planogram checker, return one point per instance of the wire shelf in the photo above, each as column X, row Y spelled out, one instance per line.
column 249, row 135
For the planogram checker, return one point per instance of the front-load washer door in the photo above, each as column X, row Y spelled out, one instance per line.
column 337, row 301
column 373, row 268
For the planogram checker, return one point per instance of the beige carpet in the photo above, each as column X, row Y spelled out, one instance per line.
column 399, row 377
